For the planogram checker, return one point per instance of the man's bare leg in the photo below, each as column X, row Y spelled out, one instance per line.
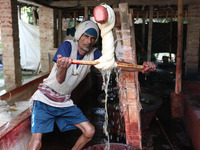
column 88, row 131
column 35, row 142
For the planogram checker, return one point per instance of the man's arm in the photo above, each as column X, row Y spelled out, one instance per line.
column 63, row 63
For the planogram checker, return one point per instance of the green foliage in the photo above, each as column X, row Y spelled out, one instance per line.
column 27, row 14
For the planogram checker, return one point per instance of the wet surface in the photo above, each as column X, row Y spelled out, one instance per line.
column 162, row 133
column 153, row 138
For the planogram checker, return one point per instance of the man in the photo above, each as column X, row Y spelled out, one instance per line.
column 52, row 103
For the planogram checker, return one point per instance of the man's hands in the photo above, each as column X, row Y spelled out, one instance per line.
column 63, row 63
column 149, row 67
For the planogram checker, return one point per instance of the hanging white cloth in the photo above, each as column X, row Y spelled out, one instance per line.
column 29, row 45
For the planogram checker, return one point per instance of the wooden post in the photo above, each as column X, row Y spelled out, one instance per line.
column 10, row 44
column 19, row 10
column 74, row 18
column 34, row 16
column 179, row 48
column 170, row 39
column 177, row 105
column 85, row 12
column 59, row 27
column 143, row 29
column 150, row 33
column 129, row 96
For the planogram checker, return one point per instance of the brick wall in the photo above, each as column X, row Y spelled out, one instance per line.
column 193, row 32
column 46, row 25
column 10, row 42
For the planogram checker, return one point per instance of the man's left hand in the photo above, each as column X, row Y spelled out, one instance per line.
column 149, row 67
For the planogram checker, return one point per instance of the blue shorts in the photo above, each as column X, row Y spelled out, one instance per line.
column 44, row 116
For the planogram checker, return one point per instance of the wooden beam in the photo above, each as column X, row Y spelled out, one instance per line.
column 72, row 3
column 38, row 3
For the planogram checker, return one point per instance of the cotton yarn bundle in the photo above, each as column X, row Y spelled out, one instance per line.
column 107, row 60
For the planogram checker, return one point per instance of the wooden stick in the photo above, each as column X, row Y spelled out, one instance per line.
column 84, row 62
column 127, row 65
column 119, row 64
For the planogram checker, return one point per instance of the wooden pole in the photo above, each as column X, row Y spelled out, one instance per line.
column 170, row 39
column 179, row 48
column 150, row 33
column 119, row 64
column 34, row 17
column 74, row 18
column 85, row 12
column 143, row 29
column 19, row 10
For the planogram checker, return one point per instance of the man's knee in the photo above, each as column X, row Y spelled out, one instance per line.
column 90, row 132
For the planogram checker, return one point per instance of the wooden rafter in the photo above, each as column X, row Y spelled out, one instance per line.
column 162, row 9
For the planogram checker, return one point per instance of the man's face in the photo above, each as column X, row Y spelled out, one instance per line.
column 86, row 42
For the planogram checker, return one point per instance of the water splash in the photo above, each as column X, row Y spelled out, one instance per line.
column 106, row 79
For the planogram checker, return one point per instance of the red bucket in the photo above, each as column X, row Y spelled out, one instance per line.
column 113, row 146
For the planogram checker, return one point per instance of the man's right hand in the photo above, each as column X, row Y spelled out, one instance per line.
column 63, row 62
